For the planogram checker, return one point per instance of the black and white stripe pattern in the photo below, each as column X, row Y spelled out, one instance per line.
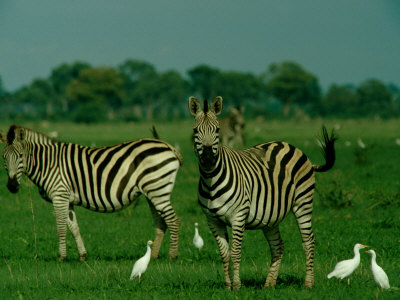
column 254, row 189
column 103, row 179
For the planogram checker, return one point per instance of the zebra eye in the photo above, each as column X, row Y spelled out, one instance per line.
column 21, row 155
column 195, row 130
column 217, row 130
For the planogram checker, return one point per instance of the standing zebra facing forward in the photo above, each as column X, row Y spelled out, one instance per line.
column 254, row 189
column 103, row 179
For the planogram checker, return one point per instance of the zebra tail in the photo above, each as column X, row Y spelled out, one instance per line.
column 328, row 150
column 154, row 132
column 176, row 152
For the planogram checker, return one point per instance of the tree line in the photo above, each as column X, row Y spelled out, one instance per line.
column 135, row 90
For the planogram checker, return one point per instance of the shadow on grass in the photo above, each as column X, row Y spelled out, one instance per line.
column 283, row 281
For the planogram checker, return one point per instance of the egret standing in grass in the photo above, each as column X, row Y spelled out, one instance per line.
column 141, row 264
column 197, row 239
column 346, row 267
column 380, row 276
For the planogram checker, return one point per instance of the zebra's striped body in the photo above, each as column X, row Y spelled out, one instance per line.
column 254, row 189
column 103, row 179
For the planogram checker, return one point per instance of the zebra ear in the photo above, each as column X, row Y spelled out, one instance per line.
column 216, row 105
column 194, row 106
column 20, row 134
column 3, row 137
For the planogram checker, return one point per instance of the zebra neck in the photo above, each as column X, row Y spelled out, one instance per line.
column 41, row 161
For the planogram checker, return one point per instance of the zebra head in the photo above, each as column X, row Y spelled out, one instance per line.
column 14, row 156
column 206, row 131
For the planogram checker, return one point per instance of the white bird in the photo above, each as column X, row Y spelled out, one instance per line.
column 345, row 267
column 361, row 144
column 141, row 264
column 379, row 275
column 197, row 239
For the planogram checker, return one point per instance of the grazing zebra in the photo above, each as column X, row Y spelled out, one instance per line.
column 254, row 189
column 232, row 128
column 102, row 179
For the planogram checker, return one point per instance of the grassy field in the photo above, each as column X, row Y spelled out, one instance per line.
column 357, row 201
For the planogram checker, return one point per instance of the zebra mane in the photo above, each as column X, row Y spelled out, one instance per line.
column 205, row 107
column 29, row 134
column 11, row 134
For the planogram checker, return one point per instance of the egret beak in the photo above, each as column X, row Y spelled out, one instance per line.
column 367, row 251
column 151, row 242
column 364, row 246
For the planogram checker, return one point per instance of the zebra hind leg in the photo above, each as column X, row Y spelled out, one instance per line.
column 162, row 206
column 161, row 227
column 303, row 218
column 276, row 246
column 74, row 228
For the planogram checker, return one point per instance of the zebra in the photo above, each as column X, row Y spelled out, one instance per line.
column 102, row 179
column 232, row 128
column 254, row 189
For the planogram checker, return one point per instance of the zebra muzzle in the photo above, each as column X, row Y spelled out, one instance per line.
column 13, row 185
column 207, row 158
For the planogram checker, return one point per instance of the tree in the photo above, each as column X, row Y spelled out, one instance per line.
column 134, row 73
column 36, row 100
column 374, row 97
column 2, row 90
column 340, row 100
column 96, row 94
column 203, row 81
column 291, row 84
column 60, row 78
column 173, row 91
column 238, row 88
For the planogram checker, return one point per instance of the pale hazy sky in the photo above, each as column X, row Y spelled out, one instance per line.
column 341, row 41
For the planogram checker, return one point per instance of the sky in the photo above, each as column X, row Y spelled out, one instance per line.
column 339, row 41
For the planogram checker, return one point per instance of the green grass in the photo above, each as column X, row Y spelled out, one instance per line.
column 357, row 201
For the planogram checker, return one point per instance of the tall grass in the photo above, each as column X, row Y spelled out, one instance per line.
column 370, row 215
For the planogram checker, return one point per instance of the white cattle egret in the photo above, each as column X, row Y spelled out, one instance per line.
column 361, row 144
column 197, row 240
column 345, row 267
column 141, row 264
column 379, row 275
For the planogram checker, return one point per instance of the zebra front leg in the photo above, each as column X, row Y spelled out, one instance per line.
column 221, row 235
column 161, row 227
column 276, row 246
column 61, row 211
column 74, row 228
column 237, row 237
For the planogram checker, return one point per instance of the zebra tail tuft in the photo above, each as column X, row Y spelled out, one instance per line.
column 328, row 150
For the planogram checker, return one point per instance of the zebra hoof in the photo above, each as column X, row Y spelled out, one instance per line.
column 236, row 286
column 173, row 257
column 83, row 257
column 61, row 258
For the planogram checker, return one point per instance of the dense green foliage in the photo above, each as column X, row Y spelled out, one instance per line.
column 357, row 201
column 135, row 90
